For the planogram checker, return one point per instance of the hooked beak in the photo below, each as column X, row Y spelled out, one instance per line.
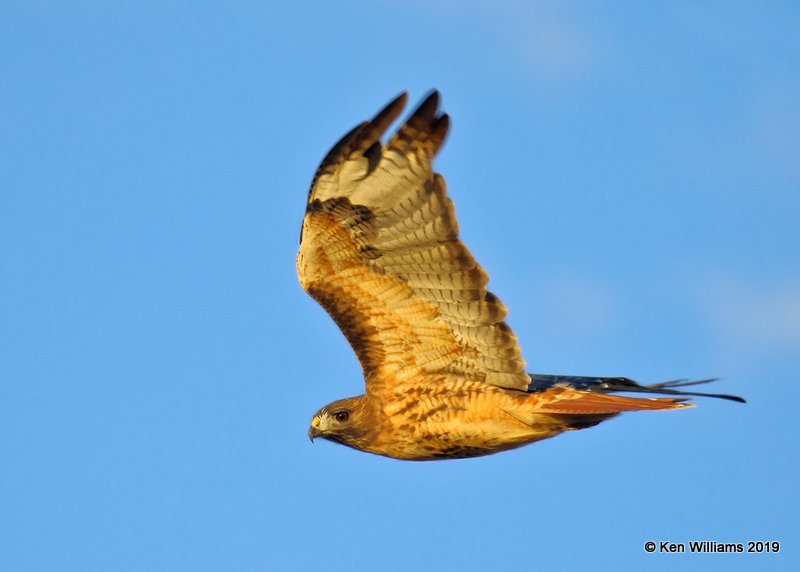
column 313, row 431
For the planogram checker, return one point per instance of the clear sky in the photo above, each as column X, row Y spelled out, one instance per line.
column 627, row 172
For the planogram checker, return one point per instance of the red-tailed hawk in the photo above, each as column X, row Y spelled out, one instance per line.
column 379, row 250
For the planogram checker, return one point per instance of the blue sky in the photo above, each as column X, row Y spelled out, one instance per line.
column 628, row 174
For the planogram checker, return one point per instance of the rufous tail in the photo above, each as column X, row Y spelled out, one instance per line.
column 562, row 400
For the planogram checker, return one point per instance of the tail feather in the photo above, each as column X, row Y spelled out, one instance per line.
column 605, row 385
column 563, row 400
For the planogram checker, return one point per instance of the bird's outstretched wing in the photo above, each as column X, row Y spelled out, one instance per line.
column 379, row 250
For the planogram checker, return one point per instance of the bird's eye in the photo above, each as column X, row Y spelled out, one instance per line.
column 342, row 416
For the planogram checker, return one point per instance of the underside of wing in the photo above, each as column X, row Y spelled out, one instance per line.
column 380, row 252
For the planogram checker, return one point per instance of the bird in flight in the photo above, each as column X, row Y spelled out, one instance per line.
column 445, row 379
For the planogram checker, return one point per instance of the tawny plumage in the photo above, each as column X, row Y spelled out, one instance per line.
column 444, row 375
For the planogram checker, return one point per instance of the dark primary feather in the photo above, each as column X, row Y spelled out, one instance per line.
column 364, row 138
column 541, row 382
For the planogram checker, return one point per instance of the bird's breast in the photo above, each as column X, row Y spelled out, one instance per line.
column 449, row 422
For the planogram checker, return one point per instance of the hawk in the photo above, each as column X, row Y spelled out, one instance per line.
column 379, row 250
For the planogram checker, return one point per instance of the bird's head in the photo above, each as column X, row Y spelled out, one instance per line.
column 342, row 421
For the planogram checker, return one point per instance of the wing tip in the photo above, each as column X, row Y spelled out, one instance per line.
column 425, row 112
column 439, row 132
column 388, row 113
